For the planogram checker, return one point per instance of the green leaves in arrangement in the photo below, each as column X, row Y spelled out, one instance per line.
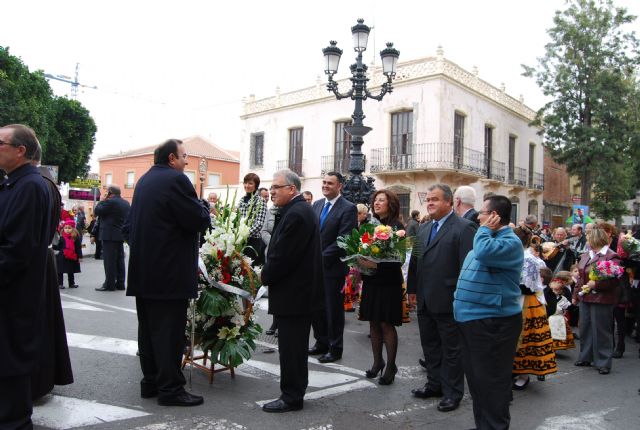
column 212, row 302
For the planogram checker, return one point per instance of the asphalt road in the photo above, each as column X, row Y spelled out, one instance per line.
column 102, row 330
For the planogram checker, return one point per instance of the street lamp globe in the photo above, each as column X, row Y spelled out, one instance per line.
column 389, row 57
column 331, row 58
column 360, row 33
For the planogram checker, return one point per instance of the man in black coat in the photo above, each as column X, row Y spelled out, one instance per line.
column 439, row 251
column 164, row 222
column 338, row 217
column 25, row 233
column 113, row 212
column 293, row 272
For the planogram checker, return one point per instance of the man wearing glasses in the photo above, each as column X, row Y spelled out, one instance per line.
column 293, row 272
column 165, row 219
column 25, row 227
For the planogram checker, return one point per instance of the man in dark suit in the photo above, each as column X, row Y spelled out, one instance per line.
column 464, row 200
column 337, row 217
column 439, row 251
column 164, row 222
column 113, row 212
column 25, row 234
column 293, row 272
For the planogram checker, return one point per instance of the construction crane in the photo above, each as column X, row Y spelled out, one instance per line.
column 74, row 83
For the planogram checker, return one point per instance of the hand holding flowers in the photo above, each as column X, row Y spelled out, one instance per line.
column 370, row 245
column 601, row 271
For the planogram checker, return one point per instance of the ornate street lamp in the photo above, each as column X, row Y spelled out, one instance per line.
column 359, row 189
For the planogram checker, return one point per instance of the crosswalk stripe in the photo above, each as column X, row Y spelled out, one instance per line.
column 58, row 412
column 92, row 302
column 101, row 343
column 331, row 391
column 316, row 379
column 80, row 307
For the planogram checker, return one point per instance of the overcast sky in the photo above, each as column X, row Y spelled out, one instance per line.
column 175, row 69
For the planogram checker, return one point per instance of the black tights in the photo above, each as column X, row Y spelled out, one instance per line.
column 382, row 332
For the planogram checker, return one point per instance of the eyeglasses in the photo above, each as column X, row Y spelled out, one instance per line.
column 484, row 212
column 8, row 144
column 277, row 187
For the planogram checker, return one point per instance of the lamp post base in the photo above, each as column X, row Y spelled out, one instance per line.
column 359, row 189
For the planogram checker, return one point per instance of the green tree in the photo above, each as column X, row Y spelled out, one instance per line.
column 64, row 127
column 588, row 71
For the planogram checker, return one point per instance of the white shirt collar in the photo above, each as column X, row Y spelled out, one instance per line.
column 603, row 251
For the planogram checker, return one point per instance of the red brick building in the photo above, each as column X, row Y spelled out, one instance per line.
column 556, row 196
column 124, row 169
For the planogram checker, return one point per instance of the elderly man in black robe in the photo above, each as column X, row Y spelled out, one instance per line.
column 25, row 223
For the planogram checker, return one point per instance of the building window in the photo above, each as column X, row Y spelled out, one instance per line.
column 405, row 201
column 512, row 158
column 131, row 179
column 488, row 148
column 295, row 150
column 458, row 140
column 191, row 175
column 213, row 180
column 108, row 179
column 341, row 147
column 257, row 150
column 401, row 139
column 532, row 153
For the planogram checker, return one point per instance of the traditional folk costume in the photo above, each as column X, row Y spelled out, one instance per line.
column 535, row 354
column 559, row 324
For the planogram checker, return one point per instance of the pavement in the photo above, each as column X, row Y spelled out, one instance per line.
column 102, row 330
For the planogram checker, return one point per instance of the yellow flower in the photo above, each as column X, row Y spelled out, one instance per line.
column 375, row 250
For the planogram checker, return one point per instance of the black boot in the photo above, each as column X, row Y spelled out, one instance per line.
column 619, row 349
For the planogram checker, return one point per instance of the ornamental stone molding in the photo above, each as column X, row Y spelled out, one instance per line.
column 409, row 72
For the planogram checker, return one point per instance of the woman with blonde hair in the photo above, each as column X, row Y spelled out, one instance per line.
column 596, row 306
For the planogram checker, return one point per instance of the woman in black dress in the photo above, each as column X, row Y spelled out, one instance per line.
column 381, row 302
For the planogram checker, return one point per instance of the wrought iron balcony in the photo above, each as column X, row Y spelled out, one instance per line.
column 536, row 182
column 429, row 156
column 293, row 166
column 518, row 176
column 497, row 170
column 331, row 163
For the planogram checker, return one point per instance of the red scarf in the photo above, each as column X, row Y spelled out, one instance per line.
column 69, row 250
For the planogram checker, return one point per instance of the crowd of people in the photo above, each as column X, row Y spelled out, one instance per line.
column 495, row 302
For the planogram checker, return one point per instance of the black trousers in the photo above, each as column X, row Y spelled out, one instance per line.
column 293, row 344
column 16, row 405
column 70, row 276
column 440, row 340
column 98, row 253
column 334, row 312
column 161, row 341
column 114, row 271
column 488, row 348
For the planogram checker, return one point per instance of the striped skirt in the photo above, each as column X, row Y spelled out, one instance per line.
column 535, row 354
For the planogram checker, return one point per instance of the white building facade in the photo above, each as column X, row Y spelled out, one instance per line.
column 440, row 124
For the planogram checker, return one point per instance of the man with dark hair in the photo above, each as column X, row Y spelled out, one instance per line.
column 489, row 313
column 337, row 217
column 308, row 197
column 413, row 224
column 440, row 249
column 113, row 212
column 25, row 234
column 165, row 219
column 293, row 271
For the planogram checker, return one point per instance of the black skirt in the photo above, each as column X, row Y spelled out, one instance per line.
column 381, row 298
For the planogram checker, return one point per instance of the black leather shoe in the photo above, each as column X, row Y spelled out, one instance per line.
column 448, row 405
column 120, row 288
column 318, row 350
column 73, row 286
column 329, row 357
column 280, row 405
column 617, row 353
column 270, row 332
column 182, row 399
column 604, row 370
column 103, row 289
column 426, row 392
column 422, row 363
column 582, row 364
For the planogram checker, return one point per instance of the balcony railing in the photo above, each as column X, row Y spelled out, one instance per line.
column 294, row 167
column 518, row 176
column 429, row 156
column 331, row 163
column 537, row 181
column 497, row 171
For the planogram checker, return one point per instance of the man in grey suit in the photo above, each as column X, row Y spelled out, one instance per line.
column 338, row 217
column 440, row 249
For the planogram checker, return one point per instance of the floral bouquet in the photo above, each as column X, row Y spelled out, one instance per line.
column 227, row 284
column 602, row 271
column 380, row 244
column 628, row 247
